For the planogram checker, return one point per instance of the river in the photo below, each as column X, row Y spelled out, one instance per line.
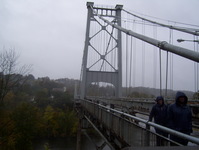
column 67, row 143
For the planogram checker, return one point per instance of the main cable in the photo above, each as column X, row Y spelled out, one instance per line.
column 187, row 24
column 186, row 30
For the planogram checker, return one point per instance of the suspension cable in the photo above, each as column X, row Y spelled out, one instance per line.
column 189, row 54
column 195, row 32
column 165, row 19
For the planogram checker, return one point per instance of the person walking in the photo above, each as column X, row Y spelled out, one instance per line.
column 159, row 113
column 180, row 118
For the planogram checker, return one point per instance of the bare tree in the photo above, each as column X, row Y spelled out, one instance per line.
column 11, row 74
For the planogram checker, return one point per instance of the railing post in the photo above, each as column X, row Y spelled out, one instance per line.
column 79, row 136
column 147, row 136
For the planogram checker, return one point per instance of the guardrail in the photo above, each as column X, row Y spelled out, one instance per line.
column 131, row 129
column 144, row 105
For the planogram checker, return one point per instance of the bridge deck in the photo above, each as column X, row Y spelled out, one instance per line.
column 164, row 148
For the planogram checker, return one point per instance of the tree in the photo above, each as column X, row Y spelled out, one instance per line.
column 42, row 98
column 50, row 117
column 25, row 118
column 196, row 95
column 11, row 74
column 18, row 127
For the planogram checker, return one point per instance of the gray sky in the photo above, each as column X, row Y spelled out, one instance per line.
column 50, row 34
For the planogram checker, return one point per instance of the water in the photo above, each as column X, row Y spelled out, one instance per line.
column 55, row 144
column 68, row 143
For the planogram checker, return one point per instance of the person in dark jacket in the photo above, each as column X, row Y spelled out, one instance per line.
column 180, row 117
column 159, row 113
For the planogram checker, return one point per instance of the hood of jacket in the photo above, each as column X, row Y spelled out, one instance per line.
column 178, row 95
column 160, row 98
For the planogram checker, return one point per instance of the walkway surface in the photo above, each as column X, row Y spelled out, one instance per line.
column 164, row 148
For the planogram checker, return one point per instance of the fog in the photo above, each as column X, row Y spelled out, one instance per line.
column 50, row 34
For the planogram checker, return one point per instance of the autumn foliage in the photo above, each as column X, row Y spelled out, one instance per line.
column 37, row 109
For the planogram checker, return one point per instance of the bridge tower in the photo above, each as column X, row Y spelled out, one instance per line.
column 102, row 63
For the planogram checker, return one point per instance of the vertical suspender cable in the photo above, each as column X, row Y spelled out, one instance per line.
column 99, row 43
column 102, row 38
column 171, row 63
column 160, row 60
column 197, row 67
column 115, row 52
column 115, row 57
column 126, row 64
column 129, row 66
column 167, row 60
column 90, row 54
column 166, row 82
column 104, row 49
column 111, row 61
column 97, row 47
column 134, row 56
column 126, row 58
column 130, row 74
column 104, row 46
column 194, row 68
column 196, row 78
column 143, row 55
column 112, row 45
column 155, row 57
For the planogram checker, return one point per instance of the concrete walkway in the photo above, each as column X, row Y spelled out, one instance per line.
column 164, row 148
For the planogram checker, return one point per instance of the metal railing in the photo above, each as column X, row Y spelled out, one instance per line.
column 133, row 130
column 144, row 105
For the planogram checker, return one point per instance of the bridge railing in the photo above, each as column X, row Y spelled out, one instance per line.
column 129, row 130
column 144, row 105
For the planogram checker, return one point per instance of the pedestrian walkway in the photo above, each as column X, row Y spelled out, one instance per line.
column 164, row 148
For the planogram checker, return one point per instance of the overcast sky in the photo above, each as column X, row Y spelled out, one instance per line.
column 50, row 34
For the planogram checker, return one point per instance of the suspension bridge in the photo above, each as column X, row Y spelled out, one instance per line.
column 128, row 60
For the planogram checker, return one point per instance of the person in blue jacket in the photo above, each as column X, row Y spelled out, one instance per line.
column 159, row 113
column 180, row 117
